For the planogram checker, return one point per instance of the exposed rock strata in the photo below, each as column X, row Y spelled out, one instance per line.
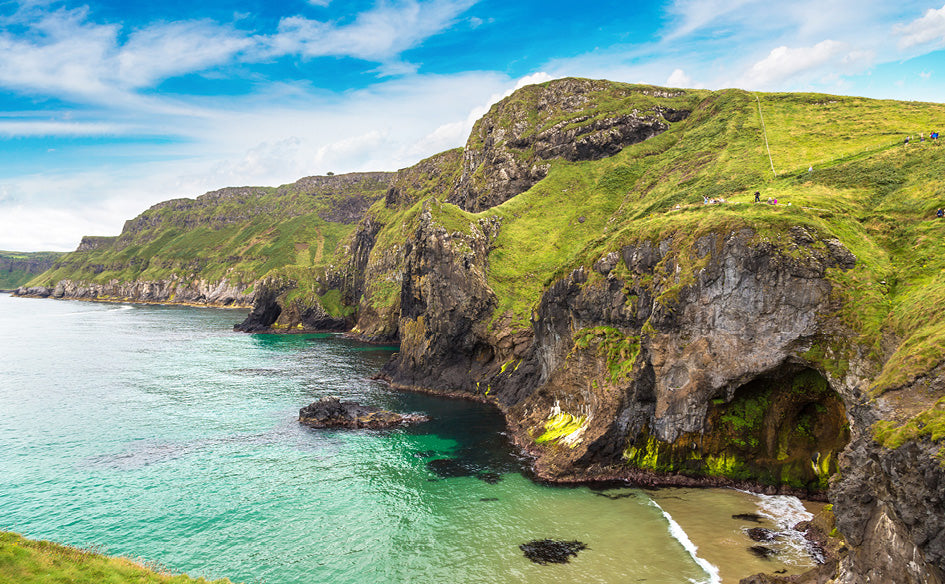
column 196, row 292
column 508, row 149
column 275, row 311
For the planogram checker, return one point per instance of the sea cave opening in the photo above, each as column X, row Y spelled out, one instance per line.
column 785, row 427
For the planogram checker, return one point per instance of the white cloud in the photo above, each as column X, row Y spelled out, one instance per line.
column 391, row 125
column 693, row 15
column 66, row 55
column 13, row 129
column 678, row 78
column 927, row 29
column 378, row 35
column 162, row 51
column 783, row 63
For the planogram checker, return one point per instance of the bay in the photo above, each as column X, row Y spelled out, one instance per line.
column 156, row 432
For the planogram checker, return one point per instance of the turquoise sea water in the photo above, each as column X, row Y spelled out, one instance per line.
column 158, row 433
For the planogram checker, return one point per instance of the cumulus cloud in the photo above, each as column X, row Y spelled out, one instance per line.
column 784, row 63
column 64, row 54
column 930, row 28
column 678, row 78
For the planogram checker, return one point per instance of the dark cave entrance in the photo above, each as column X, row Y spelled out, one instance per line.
column 786, row 427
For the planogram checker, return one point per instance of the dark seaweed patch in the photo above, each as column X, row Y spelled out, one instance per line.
column 490, row 477
column 753, row 517
column 448, row 468
column 762, row 551
column 551, row 551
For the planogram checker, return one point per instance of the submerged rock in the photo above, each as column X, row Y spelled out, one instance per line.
column 545, row 551
column 331, row 412
column 761, row 534
column 762, row 551
column 753, row 517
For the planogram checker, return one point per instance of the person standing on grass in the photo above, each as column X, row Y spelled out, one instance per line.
column 757, row 196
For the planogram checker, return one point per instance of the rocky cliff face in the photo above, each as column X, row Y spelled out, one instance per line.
column 18, row 268
column 194, row 292
column 572, row 119
column 445, row 302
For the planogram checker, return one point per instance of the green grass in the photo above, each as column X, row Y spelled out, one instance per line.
column 25, row 561
column 930, row 424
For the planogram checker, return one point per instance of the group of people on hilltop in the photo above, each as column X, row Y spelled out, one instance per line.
column 933, row 135
column 770, row 201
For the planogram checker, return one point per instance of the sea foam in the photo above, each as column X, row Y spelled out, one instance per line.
column 679, row 535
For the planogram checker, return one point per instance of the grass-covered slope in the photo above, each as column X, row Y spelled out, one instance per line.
column 840, row 168
column 26, row 561
column 237, row 234
column 18, row 268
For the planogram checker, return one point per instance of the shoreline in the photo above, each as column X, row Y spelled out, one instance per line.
column 132, row 301
column 609, row 477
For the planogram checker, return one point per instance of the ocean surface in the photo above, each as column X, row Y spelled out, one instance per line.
column 159, row 433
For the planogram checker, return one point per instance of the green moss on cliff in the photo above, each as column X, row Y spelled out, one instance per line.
column 786, row 429
column 927, row 424
column 563, row 428
column 620, row 350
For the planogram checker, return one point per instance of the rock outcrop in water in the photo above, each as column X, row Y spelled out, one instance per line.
column 564, row 267
column 331, row 412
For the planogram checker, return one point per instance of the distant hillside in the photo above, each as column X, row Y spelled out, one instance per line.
column 213, row 248
column 18, row 268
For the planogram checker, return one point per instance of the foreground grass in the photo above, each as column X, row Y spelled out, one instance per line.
column 25, row 561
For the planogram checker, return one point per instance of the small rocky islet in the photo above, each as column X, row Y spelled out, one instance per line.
column 331, row 412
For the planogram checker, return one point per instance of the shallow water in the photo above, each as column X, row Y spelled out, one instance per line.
column 159, row 433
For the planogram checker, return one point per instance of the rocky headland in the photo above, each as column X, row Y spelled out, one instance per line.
column 562, row 265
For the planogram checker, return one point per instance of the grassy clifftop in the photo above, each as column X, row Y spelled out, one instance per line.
column 26, row 561
column 837, row 166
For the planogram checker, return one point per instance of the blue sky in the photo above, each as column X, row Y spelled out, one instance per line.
column 108, row 107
